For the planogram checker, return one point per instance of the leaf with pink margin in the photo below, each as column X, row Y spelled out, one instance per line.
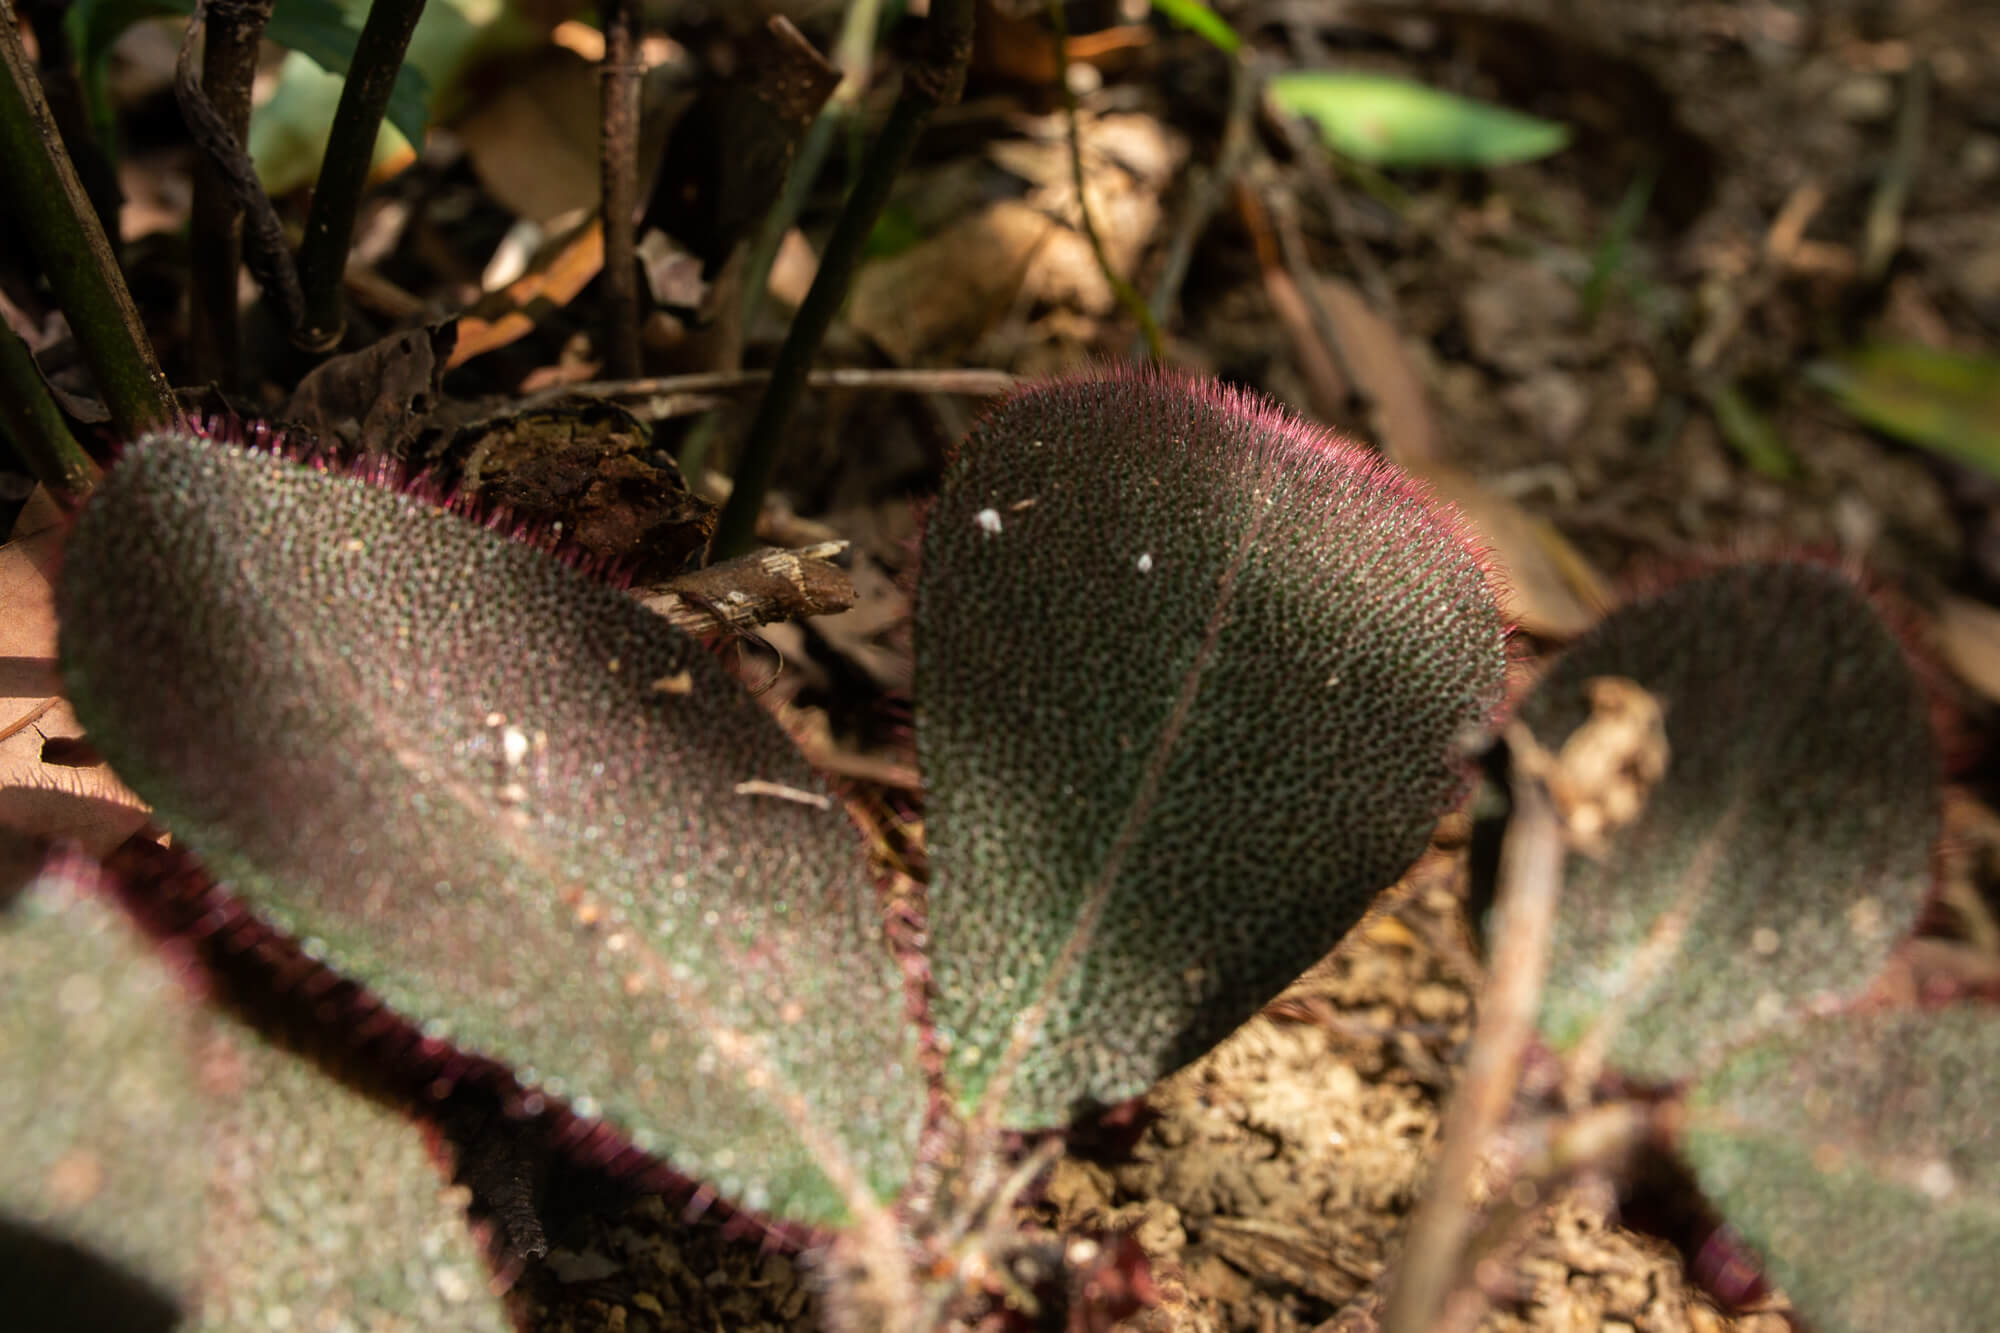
column 166, row 1169
column 1194, row 681
column 506, row 799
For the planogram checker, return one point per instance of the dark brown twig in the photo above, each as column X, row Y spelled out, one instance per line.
column 215, row 235
column 343, row 172
column 264, row 248
column 936, row 81
column 618, row 165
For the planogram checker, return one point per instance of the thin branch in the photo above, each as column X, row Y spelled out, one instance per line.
column 29, row 417
column 343, row 172
column 1128, row 295
column 215, row 235
column 1530, row 883
column 936, row 81
column 71, row 248
column 618, row 165
column 264, row 248
column 967, row 383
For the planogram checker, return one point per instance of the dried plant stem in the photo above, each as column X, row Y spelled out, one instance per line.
column 343, row 172
column 1530, row 883
column 72, row 249
column 936, row 81
column 229, row 65
column 1128, row 295
column 29, row 417
column 618, row 166
column 969, row 383
column 755, row 589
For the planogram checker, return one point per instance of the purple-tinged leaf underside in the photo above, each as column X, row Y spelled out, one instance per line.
column 1787, row 847
column 507, row 800
column 1860, row 1155
column 166, row 1169
column 1192, row 681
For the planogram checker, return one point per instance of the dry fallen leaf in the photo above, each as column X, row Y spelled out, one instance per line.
column 1546, row 585
column 1969, row 637
column 88, row 804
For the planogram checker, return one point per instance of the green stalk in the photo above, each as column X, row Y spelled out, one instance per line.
column 29, row 417
column 71, row 248
column 936, row 82
column 343, row 172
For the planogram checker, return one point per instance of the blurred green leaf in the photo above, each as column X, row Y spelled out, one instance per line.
column 1859, row 1155
column 1946, row 402
column 1750, row 433
column 1198, row 18
column 1391, row 122
column 317, row 29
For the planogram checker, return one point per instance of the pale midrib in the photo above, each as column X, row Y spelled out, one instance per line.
column 1027, row 1026
column 688, row 1006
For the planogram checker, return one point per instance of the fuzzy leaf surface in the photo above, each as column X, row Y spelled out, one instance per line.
column 1787, row 847
column 1860, row 1155
column 1190, row 676
column 506, row 799
column 168, row 1170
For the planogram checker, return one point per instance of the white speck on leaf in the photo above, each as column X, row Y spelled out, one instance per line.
column 1146, row 562
column 988, row 521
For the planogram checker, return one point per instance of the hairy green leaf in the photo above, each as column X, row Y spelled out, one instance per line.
column 1787, row 847
column 165, row 1169
column 507, row 799
column 1859, row 1153
column 1190, row 677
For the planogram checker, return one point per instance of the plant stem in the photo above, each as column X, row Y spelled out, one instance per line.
column 343, row 173
column 618, row 164
column 935, row 82
column 71, row 247
column 1128, row 295
column 29, row 417
column 1530, row 884
column 229, row 64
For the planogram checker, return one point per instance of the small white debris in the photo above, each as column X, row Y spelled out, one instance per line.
column 1146, row 562
column 759, row 787
column 514, row 744
column 1937, row 1180
column 988, row 521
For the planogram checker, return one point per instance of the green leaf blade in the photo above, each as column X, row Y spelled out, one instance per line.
column 508, row 800
column 1390, row 122
column 1204, row 22
column 1787, row 847
column 1161, row 631
column 1858, row 1154
column 1946, row 402
column 167, row 1169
